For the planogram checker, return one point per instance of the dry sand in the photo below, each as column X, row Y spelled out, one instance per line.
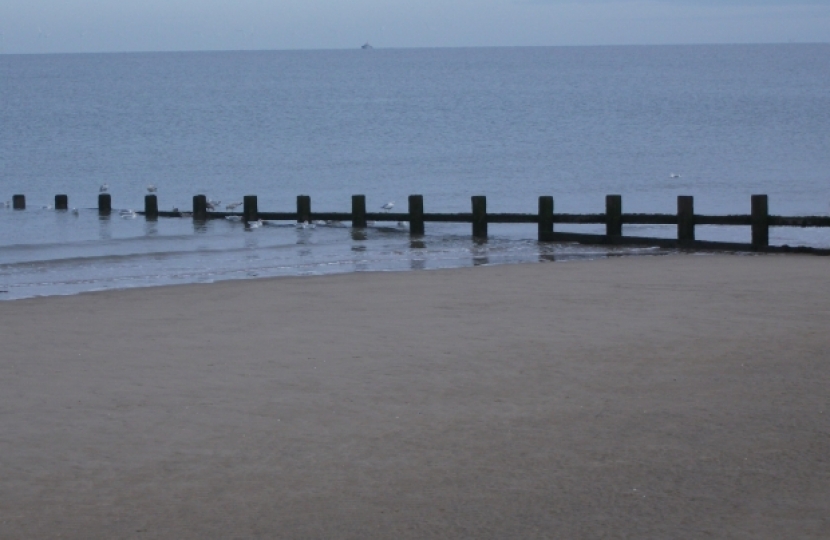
column 662, row 397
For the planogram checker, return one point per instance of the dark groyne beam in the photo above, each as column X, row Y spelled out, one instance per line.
column 760, row 221
column 387, row 216
column 416, row 215
column 61, row 202
column 596, row 219
column 800, row 221
column 250, row 212
column 723, row 220
column 479, row 204
column 151, row 207
column 19, row 202
column 199, row 208
column 104, row 204
column 545, row 217
column 613, row 215
column 359, row 211
column 685, row 219
column 303, row 209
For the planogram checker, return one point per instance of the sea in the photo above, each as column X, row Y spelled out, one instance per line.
column 718, row 122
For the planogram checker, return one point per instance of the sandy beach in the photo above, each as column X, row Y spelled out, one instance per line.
column 682, row 396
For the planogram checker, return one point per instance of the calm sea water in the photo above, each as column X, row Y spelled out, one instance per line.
column 509, row 123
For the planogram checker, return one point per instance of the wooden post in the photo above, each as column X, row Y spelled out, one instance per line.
column 359, row 211
column 151, row 207
column 760, row 221
column 104, row 203
column 303, row 209
column 545, row 216
column 199, row 207
column 19, row 202
column 416, row 215
column 479, row 216
column 61, row 202
column 685, row 218
column 613, row 215
column 250, row 212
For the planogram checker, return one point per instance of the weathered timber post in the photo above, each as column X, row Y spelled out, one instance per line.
column 104, row 204
column 545, row 217
column 359, row 211
column 685, row 218
column 613, row 215
column 250, row 212
column 151, row 207
column 416, row 215
column 760, row 221
column 61, row 202
column 303, row 209
column 19, row 202
column 199, row 207
column 479, row 216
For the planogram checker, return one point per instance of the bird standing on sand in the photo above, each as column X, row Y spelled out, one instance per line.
column 388, row 206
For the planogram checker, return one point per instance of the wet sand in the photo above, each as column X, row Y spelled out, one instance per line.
column 682, row 396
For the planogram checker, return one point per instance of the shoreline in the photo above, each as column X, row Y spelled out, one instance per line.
column 675, row 396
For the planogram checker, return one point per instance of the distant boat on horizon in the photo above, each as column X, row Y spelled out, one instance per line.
column 366, row 46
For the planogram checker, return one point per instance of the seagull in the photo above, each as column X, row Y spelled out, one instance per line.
column 255, row 224
column 128, row 214
column 103, row 188
column 388, row 206
column 233, row 205
column 152, row 188
column 674, row 175
column 47, row 207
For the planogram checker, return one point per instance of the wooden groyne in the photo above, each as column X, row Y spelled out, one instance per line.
column 685, row 219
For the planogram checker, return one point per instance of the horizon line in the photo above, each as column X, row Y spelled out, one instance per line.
column 376, row 48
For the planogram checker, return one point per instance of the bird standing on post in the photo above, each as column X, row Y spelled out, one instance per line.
column 152, row 188
column 103, row 188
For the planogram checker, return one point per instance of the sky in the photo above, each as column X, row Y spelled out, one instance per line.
column 60, row 26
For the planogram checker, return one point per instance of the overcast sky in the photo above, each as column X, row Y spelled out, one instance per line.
column 39, row 26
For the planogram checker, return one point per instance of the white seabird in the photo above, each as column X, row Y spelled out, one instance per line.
column 103, row 188
column 388, row 206
column 152, row 188
column 233, row 205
